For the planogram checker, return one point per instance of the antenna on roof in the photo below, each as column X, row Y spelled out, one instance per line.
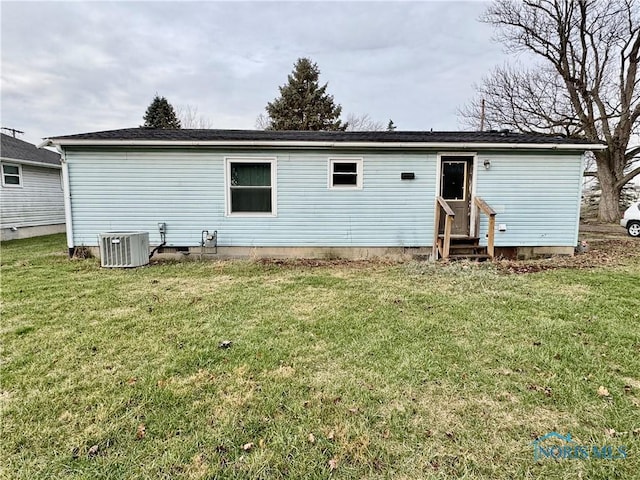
column 13, row 131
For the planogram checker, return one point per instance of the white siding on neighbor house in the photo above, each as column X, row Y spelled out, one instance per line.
column 39, row 201
column 134, row 190
column 536, row 195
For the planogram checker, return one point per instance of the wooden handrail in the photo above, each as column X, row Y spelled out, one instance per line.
column 484, row 207
column 443, row 247
column 445, row 206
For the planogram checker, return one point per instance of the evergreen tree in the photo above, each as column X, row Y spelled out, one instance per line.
column 304, row 104
column 160, row 114
column 391, row 126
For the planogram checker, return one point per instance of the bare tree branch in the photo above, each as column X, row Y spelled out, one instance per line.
column 586, row 84
column 190, row 118
column 363, row 123
column 628, row 177
column 263, row 122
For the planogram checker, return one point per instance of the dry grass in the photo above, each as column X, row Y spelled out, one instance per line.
column 337, row 369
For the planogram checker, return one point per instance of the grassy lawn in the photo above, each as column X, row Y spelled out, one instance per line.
column 342, row 370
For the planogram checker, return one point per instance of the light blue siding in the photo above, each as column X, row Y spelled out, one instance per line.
column 134, row 190
column 537, row 196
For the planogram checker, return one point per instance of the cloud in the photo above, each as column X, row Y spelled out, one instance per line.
column 79, row 66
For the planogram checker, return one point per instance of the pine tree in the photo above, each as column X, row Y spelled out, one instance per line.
column 160, row 114
column 304, row 104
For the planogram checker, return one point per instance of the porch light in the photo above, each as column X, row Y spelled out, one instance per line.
column 487, row 164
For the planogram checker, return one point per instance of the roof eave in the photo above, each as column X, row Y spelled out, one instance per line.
column 69, row 142
column 30, row 162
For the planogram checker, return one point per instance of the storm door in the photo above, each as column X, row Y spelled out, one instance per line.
column 455, row 188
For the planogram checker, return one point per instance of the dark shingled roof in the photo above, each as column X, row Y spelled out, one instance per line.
column 16, row 149
column 184, row 135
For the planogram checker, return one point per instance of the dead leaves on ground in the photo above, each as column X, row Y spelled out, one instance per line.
column 603, row 392
column 318, row 262
column 141, row 431
column 93, row 451
column 538, row 388
column 602, row 253
column 247, row 447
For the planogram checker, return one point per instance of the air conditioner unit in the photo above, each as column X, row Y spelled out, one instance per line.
column 124, row 249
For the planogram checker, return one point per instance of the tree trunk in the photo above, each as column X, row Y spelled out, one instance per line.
column 609, row 207
column 609, row 210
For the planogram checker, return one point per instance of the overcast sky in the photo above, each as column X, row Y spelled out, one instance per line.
column 73, row 67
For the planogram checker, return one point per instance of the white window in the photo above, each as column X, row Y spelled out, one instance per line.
column 251, row 186
column 11, row 175
column 345, row 173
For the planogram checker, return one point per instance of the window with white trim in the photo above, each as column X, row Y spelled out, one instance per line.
column 11, row 175
column 251, row 186
column 345, row 173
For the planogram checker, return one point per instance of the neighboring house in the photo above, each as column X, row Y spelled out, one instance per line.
column 31, row 197
column 352, row 194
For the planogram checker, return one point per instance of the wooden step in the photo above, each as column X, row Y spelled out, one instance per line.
column 461, row 246
column 461, row 238
column 467, row 249
column 479, row 257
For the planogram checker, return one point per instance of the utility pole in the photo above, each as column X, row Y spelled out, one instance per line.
column 482, row 116
column 13, row 131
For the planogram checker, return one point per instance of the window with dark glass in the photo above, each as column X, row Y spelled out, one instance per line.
column 250, row 187
column 453, row 180
column 11, row 175
column 345, row 174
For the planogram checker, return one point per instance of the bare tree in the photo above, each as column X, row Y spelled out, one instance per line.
column 585, row 86
column 363, row 123
column 523, row 100
column 263, row 122
column 190, row 118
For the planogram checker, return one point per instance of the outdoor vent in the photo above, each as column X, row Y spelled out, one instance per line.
column 124, row 249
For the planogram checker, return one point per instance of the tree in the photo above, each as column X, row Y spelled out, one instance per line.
column 189, row 117
column 160, row 114
column 363, row 123
column 263, row 122
column 391, row 126
column 585, row 85
column 304, row 104
column 591, row 199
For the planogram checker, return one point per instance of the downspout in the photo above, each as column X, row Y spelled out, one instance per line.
column 67, row 202
column 583, row 166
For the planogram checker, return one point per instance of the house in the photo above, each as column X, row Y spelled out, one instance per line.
column 314, row 194
column 31, row 198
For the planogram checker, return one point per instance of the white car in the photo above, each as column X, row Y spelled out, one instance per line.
column 631, row 220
